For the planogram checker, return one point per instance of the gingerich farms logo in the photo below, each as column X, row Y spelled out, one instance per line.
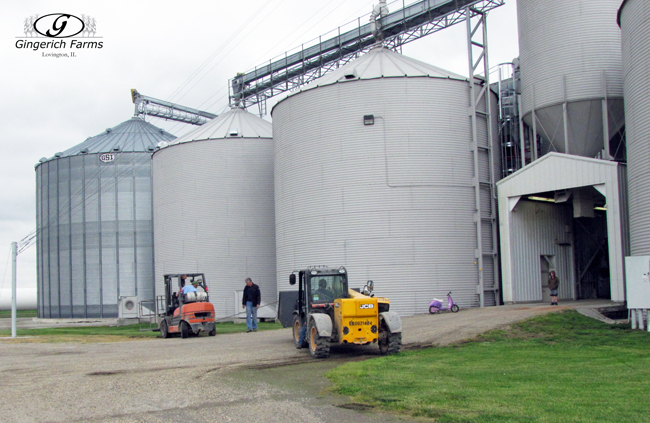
column 59, row 35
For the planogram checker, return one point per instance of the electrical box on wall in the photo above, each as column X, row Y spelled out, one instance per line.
column 637, row 281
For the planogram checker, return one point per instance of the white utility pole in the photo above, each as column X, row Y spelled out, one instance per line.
column 14, row 247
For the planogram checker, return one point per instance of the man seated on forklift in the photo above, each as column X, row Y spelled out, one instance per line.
column 322, row 293
column 190, row 288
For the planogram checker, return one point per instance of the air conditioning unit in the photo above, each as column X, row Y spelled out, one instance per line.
column 127, row 308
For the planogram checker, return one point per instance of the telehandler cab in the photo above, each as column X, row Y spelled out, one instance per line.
column 327, row 312
column 187, row 314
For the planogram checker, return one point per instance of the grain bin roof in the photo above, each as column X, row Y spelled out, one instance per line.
column 133, row 135
column 381, row 63
column 235, row 123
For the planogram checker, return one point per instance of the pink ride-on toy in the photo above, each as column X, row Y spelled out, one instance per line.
column 437, row 305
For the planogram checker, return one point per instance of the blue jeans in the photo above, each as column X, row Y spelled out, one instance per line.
column 251, row 315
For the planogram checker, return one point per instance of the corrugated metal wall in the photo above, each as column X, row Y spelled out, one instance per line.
column 539, row 229
column 570, row 52
column 214, row 213
column 393, row 202
column 95, row 234
column 635, row 32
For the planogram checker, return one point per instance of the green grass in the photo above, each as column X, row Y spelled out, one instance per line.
column 229, row 327
column 562, row 367
column 6, row 314
column 129, row 331
column 118, row 333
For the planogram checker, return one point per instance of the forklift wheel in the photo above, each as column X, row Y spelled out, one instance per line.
column 164, row 332
column 213, row 332
column 389, row 343
column 185, row 330
column 319, row 346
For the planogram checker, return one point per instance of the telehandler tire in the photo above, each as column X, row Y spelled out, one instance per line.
column 297, row 327
column 185, row 330
column 389, row 343
column 319, row 346
column 164, row 330
column 213, row 332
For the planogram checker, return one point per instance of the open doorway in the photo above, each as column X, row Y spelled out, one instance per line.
column 591, row 254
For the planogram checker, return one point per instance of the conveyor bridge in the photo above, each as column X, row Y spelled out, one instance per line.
column 398, row 28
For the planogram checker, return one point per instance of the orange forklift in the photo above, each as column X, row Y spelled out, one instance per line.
column 187, row 314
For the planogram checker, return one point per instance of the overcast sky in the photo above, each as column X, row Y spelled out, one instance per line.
column 51, row 104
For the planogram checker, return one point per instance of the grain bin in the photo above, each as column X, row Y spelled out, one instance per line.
column 214, row 207
column 373, row 171
column 571, row 74
column 94, row 223
column 633, row 18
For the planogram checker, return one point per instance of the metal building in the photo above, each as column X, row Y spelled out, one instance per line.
column 94, row 223
column 214, row 207
column 374, row 170
column 571, row 77
column 545, row 231
column 633, row 18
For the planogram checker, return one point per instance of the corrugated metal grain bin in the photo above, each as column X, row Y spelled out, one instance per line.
column 634, row 16
column 373, row 171
column 94, row 223
column 214, row 207
column 571, row 71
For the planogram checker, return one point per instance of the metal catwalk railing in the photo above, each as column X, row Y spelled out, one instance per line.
column 308, row 63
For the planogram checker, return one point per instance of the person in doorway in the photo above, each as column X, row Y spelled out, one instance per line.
column 553, row 284
column 251, row 302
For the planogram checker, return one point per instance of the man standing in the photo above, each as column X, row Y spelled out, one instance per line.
column 251, row 302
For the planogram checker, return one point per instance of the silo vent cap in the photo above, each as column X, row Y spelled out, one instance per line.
column 43, row 159
column 162, row 144
column 349, row 76
column 150, row 148
column 58, row 154
column 116, row 148
column 233, row 132
column 84, row 151
column 108, row 130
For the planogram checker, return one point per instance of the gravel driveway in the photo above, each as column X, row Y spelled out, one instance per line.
column 243, row 377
